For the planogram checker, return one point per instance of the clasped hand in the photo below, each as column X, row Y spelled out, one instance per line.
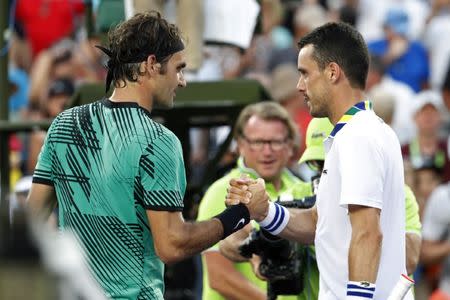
column 250, row 192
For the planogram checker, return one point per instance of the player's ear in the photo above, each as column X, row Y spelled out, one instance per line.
column 153, row 66
column 333, row 72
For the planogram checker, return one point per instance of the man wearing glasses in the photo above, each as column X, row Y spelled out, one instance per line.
column 265, row 135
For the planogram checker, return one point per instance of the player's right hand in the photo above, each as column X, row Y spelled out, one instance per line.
column 258, row 205
column 237, row 191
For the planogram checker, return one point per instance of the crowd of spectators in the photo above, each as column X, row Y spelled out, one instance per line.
column 51, row 53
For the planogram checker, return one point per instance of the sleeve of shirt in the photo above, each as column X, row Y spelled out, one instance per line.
column 162, row 174
column 436, row 219
column 362, row 171
column 412, row 212
column 43, row 171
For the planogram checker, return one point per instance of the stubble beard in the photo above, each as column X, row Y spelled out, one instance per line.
column 318, row 112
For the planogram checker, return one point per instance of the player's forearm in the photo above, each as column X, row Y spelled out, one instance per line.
column 364, row 254
column 242, row 291
column 229, row 247
column 301, row 227
column 38, row 210
column 41, row 202
column 413, row 243
column 190, row 239
column 235, row 286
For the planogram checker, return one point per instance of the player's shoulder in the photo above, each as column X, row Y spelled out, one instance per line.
column 76, row 110
column 151, row 131
column 365, row 120
column 367, row 125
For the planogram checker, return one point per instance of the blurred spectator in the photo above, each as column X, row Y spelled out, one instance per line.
column 88, row 61
column 427, row 177
column 271, row 37
column 18, row 101
column 189, row 15
column 15, row 148
column 422, row 177
column 220, row 62
column 284, row 90
column 402, row 94
column 18, row 67
column 371, row 15
column 427, row 148
column 348, row 14
column 370, row 18
column 226, row 55
column 436, row 239
column 437, row 46
column 383, row 104
column 19, row 196
column 307, row 16
column 46, row 22
column 405, row 60
column 445, row 89
column 227, row 39
column 58, row 95
column 445, row 92
column 20, row 55
column 51, row 64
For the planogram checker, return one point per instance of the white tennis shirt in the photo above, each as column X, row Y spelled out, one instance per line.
column 363, row 166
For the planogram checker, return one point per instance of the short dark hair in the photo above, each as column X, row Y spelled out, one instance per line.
column 132, row 41
column 340, row 43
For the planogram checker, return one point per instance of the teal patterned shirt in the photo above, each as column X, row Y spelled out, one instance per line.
column 110, row 162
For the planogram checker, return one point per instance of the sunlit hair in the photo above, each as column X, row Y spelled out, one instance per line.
column 142, row 35
column 268, row 111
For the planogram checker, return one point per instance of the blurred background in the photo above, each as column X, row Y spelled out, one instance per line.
column 239, row 52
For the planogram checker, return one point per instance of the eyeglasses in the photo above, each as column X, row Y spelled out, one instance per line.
column 258, row 144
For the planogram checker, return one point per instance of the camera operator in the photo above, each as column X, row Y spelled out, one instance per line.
column 265, row 136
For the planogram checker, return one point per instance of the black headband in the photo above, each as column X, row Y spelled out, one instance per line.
column 113, row 62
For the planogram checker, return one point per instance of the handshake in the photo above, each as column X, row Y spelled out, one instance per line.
column 252, row 194
column 247, row 199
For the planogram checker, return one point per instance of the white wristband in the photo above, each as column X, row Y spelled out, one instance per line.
column 360, row 290
column 276, row 219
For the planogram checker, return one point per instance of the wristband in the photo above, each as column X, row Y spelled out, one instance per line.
column 234, row 218
column 358, row 290
column 276, row 219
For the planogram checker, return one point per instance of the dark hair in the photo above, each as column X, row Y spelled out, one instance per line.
column 342, row 44
column 132, row 41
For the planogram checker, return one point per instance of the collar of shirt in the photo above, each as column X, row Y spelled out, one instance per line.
column 348, row 115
